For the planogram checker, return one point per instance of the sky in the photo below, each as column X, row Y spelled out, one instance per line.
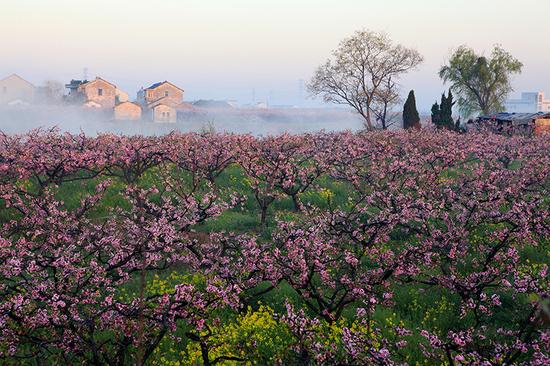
column 256, row 50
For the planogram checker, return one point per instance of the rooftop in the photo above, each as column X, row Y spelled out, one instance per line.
column 156, row 85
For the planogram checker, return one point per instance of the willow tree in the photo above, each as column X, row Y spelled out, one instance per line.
column 481, row 83
column 360, row 70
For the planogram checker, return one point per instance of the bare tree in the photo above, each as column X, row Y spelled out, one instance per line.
column 386, row 99
column 360, row 68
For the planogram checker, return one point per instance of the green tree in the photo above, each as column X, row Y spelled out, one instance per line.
column 436, row 114
column 411, row 119
column 442, row 114
column 446, row 110
column 481, row 83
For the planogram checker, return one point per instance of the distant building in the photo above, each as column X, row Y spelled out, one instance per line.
column 531, row 102
column 92, row 105
column 95, row 93
column 162, row 101
column 257, row 105
column 99, row 91
column 233, row 103
column 73, row 96
column 16, row 90
column 165, row 101
column 163, row 113
column 165, row 90
column 120, row 96
column 542, row 125
column 127, row 111
column 514, row 123
column 51, row 92
column 261, row 105
column 212, row 104
column 186, row 110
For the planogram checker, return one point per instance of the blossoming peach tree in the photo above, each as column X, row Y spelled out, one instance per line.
column 88, row 225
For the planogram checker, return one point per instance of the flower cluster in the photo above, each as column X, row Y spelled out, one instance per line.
column 102, row 257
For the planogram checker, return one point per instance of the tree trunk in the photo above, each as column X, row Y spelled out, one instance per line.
column 367, row 117
column 215, row 188
column 384, row 114
column 204, row 353
column 263, row 220
column 296, row 203
column 140, row 352
column 303, row 357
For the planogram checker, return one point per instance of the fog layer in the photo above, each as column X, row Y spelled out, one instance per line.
column 258, row 122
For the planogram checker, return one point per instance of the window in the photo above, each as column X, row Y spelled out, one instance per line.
column 166, row 93
column 4, row 89
column 99, row 92
column 167, row 114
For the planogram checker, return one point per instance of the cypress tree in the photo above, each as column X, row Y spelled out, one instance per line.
column 436, row 114
column 442, row 114
column 447, row 104
column 411, row 118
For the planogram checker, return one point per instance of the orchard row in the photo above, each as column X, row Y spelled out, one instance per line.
column 104, row 258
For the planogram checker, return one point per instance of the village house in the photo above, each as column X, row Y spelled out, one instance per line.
column 16, row 90
column 165, row 90
column 120, row 96
column 73, row 96
column 163, row 113
column 162, row 101
column 98, row 93
column 127, row 111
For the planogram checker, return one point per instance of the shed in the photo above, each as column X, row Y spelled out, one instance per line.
column 542, row 125
column 510, row 123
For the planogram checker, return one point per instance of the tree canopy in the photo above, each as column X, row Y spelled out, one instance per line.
column 442, row 114
column 481, row 83
column 361, row 70
column 411, row 119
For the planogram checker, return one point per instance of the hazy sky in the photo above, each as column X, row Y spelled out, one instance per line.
column 226, row 48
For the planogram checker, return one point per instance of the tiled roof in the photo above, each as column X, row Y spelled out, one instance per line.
column 156, row 85
column 98, row 79
column 18, row 77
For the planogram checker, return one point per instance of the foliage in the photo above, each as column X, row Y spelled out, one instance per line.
column 481, row 83
column 253, row 338
column 442, row 114
column 411, row 119
column 425, row 246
